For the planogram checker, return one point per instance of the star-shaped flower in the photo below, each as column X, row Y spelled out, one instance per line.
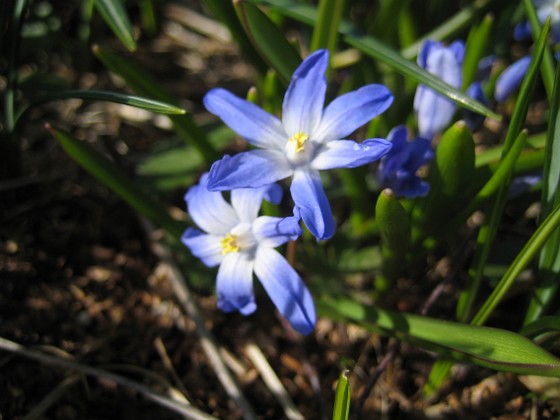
column 305, row 141
column 241, row 243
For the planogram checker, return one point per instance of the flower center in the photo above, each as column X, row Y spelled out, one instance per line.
column 229, row 244
column 298, row 140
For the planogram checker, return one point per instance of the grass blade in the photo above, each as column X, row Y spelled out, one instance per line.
column 145, row 85
column 342, row 398
column 549, row 261
column 117, row 180
column 381, row 52
column 268, row 40
column 114, row 15
column 490, row 347
column 325, row 32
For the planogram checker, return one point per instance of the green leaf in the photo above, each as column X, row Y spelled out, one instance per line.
column 535, row 243
column 549, row 260
column 342, row 398
column 381, row 52
column 394, row 228
column 450, row 178
column 490, row 347
column 225, row 13
column 117, row 180
column 143, row 83
column 475, row 49
column 325, row 32
column 114, row 15
column 547, row 68
column 120, row 98
column 268, row 40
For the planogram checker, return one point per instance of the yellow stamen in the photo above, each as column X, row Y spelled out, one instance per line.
column 298, row 140
column 229, row 244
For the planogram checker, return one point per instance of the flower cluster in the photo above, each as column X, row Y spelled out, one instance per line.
column 309, row 138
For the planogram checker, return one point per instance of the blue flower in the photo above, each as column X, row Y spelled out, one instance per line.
column 241, row 243
column 305, row 141
column 511, row 78
column 545, row 8
column 399, row 167
column 433, row 110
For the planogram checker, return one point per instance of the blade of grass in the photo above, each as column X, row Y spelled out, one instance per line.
column 488, row 231
column 450, row 28
column 342, row 397
column 490, row 347
column 141, row 82
column 117, row 180
column 548, row 66
column 475, row 49
column 268, row 40
column 549, row 260
column 325, row 32
column 97, row 95
column 115, row 16
column 381, row 52
column 539, row 238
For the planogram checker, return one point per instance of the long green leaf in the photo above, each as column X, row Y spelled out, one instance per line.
column 117, row 180
column 490, row 347
column 114, row 15
column 120, row 98
column 549, row 260
column 342, row 398
column 325, row 32
column 141, row 82
column 381, row 52
column 475, row 49
column 268, row 40
column 539, row 238
column 548, row 65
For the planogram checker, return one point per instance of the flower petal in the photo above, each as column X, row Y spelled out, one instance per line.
column 349, row 112
column 305, row 97
column 203, row 246
column 286, row 290
column 247, row 201
column 511, row 78
column 209, row 210
column 234, row 284
column 254, row 124
column 349, row 154
column 313, row 206
column 275, row 231
column 433, row 110
column 255, row 168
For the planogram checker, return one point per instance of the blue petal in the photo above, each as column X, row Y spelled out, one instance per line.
column 473, row 119
column 234, row 284
column 275, row 231
column 203, row 246
column 274, row 194
column 425, row 51
column 349, row 112
column 434, row 111
column 209, row 210
column 349, row 154
column 511, row 78
column 255, row 168
column 310, row 198
column 247, row 201
column 286, row 290
column 305, row 97
column 252, row 123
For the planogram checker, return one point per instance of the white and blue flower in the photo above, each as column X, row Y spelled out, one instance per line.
column 433, row 110
column 241, row 243
column 305, row 141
